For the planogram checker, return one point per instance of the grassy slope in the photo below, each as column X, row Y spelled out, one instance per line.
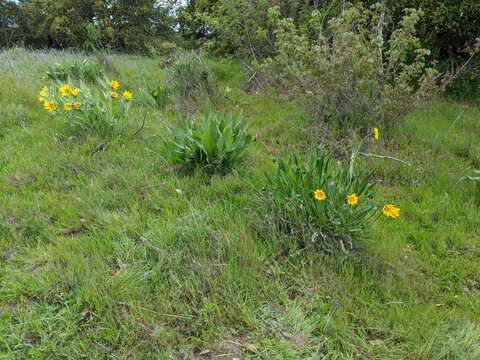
column 117, row 255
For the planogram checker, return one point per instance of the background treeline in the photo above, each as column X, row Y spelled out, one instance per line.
column 448, row 28
column 124, row 25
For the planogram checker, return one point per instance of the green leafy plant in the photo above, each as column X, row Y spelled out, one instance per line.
column 476, row 180
column 215, row 142
column 160, row 94
column 85, row 70
column 319, row 202
column 192, row 80
column 98, row 111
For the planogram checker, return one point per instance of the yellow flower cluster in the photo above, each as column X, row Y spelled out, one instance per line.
column 127, row 95
column 65, row 91
column 389, row 210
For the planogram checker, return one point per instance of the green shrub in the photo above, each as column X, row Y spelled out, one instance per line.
column 215, row 142
column 85, row 70
column 313, row 200
column 351, row 73
column 99, row 111
column 191, row 79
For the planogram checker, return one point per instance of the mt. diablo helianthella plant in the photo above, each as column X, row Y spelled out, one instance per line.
column 89, row 110
column 332, row 216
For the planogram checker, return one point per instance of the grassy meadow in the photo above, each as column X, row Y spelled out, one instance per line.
column 109, row 251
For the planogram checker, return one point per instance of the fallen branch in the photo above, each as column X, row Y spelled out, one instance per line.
column 385, row 157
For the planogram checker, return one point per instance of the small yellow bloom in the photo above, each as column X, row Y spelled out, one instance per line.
column 114, row 84
column 41, row 100
column 68, row 106
column 391, row 211
column 352, row 199
column 76, row 104
column 44, row 92
column 114, row 94
column 50, row 106
column 319, row 195
column 64, row 90
column 375, row 134
column 127, row 95
column 74, row 91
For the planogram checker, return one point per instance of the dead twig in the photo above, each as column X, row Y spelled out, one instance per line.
column 385, row 157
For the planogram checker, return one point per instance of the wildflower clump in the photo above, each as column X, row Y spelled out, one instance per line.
column 88, row 110
column 319, row 202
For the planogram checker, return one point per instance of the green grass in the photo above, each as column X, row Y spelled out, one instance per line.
column 115, row 254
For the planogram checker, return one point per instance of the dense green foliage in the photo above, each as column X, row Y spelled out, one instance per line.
column 352, row 76
column 216, row 142
column 330, row 223
column 117, row 25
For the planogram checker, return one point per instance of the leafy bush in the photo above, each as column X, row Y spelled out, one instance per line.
column 102, row 111
column 321, row 203
column 350, row 73
column 215, row 142
column 192, row 79
column 85, row 70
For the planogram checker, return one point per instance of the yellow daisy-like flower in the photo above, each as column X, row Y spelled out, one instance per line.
column 114, row 94
column 114, row 84
column 391, row 211
column 68, row 106
column 76, row 104
column 50, row 106
column 319, row 195
column 64, row 90
column 375, row 134
column 352, row 199
column 44, row 92
column 127, row 95
column 74, row 91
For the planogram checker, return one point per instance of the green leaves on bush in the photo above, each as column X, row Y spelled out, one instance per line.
column 319, row 202
column 215, row 142
column 85, row 70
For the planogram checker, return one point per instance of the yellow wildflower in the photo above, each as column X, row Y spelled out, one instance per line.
column 41, row 100
column 352, row 199
column 76, row 104
column 319, row 195
column 44, row 92
column 114, row 84
column 127, row 95
column 68, row 106
column 74, row 91
column 64, row 90
column 375, row 134
column 391, row 211
column 114, row 94
column 50, row 106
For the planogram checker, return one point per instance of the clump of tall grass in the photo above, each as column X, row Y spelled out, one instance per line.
column 192, row 80
column 85, row 70
column 215, row 142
